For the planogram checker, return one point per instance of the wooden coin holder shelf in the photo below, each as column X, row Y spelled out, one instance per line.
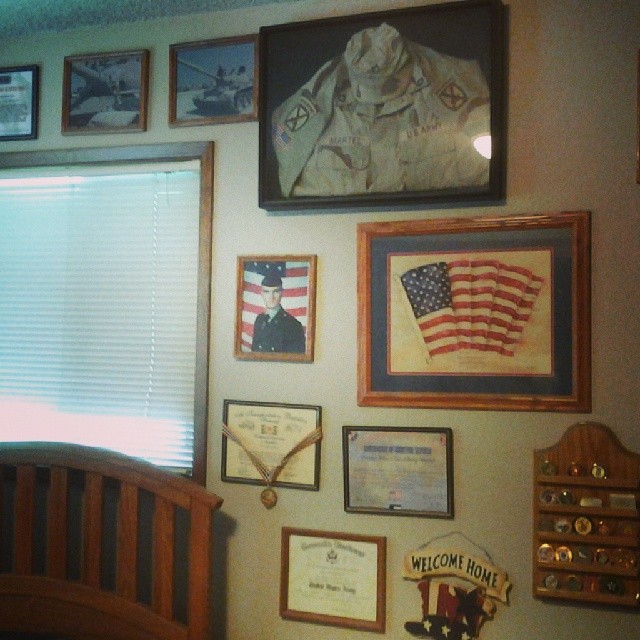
column 586, row 527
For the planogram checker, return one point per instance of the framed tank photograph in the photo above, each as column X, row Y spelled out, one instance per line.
column 401, row 107
column 105, row 92
column 213, row 81
column 19, row 103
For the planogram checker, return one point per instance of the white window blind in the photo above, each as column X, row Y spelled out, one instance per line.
column 98, row 306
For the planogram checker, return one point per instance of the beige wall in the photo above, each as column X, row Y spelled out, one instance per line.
column 572, row 127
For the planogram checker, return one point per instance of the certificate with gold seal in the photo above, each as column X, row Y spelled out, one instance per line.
column 333, row 578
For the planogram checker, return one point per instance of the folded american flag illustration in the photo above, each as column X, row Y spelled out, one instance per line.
column 471, row 304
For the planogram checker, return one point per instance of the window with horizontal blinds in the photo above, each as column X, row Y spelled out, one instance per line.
column 99, row 282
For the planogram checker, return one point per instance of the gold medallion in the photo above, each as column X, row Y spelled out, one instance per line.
column 269, row 498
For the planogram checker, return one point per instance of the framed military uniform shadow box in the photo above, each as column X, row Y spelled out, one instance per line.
column 386, row 108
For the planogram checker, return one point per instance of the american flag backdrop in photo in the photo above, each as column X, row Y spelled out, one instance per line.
column 471, row 304
column 295, row 293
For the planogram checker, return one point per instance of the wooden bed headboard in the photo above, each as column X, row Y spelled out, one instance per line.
column 95, row 545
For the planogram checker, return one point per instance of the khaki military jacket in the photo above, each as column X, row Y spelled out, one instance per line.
column 327, row 142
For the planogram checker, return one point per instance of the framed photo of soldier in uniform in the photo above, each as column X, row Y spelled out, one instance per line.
column 275, row 307
column 393, row 108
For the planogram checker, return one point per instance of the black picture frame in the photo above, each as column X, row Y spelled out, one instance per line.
column 19, row 91
column 466, row 40
column 398, row 471
column 245, row 416
column 533, row 354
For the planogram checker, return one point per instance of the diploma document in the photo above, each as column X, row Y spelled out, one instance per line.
column 334, row 575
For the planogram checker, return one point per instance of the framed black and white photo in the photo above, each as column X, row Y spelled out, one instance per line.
column 385, row 108
column 19, row 103
column 213, row 81
column 105, row 92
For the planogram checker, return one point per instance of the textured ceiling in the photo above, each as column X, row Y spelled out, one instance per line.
column 25, row 17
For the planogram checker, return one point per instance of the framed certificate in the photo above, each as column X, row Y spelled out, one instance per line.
column 273, row 443
column 398, row 471
column 19, row 103
column 333, row 578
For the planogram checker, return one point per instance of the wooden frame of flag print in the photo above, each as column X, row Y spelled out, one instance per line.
column 478, row 313
column 275, row 307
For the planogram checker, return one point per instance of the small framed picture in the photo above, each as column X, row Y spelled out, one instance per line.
column 19, row 103
column 213, row 81
column 105, row 92
column 398, row 471
column 273, row 443
column 333, row 578
column 275, row 307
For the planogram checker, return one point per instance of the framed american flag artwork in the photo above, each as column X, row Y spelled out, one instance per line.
column 485, row 313
column 275, row 307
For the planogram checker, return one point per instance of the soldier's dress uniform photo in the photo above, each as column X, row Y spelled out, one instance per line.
column 387, row 115
column 276, row 330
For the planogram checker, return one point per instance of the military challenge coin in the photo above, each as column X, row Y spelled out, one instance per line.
column 581, row 553
column 575, row 469
column 562, row 525
column 547, row 468
column 546, row 553
column 549, row 496
column 563, row 554
column 582, row 525
column 573, row 583
column 611, row 585
column 601, row 556
column 566, row 497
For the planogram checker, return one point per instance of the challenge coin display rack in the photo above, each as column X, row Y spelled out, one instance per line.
column 586, row 539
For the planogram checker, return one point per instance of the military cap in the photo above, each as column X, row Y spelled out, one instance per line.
column 272, row 280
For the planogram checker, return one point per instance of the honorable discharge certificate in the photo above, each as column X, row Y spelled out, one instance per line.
column 336, row 577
